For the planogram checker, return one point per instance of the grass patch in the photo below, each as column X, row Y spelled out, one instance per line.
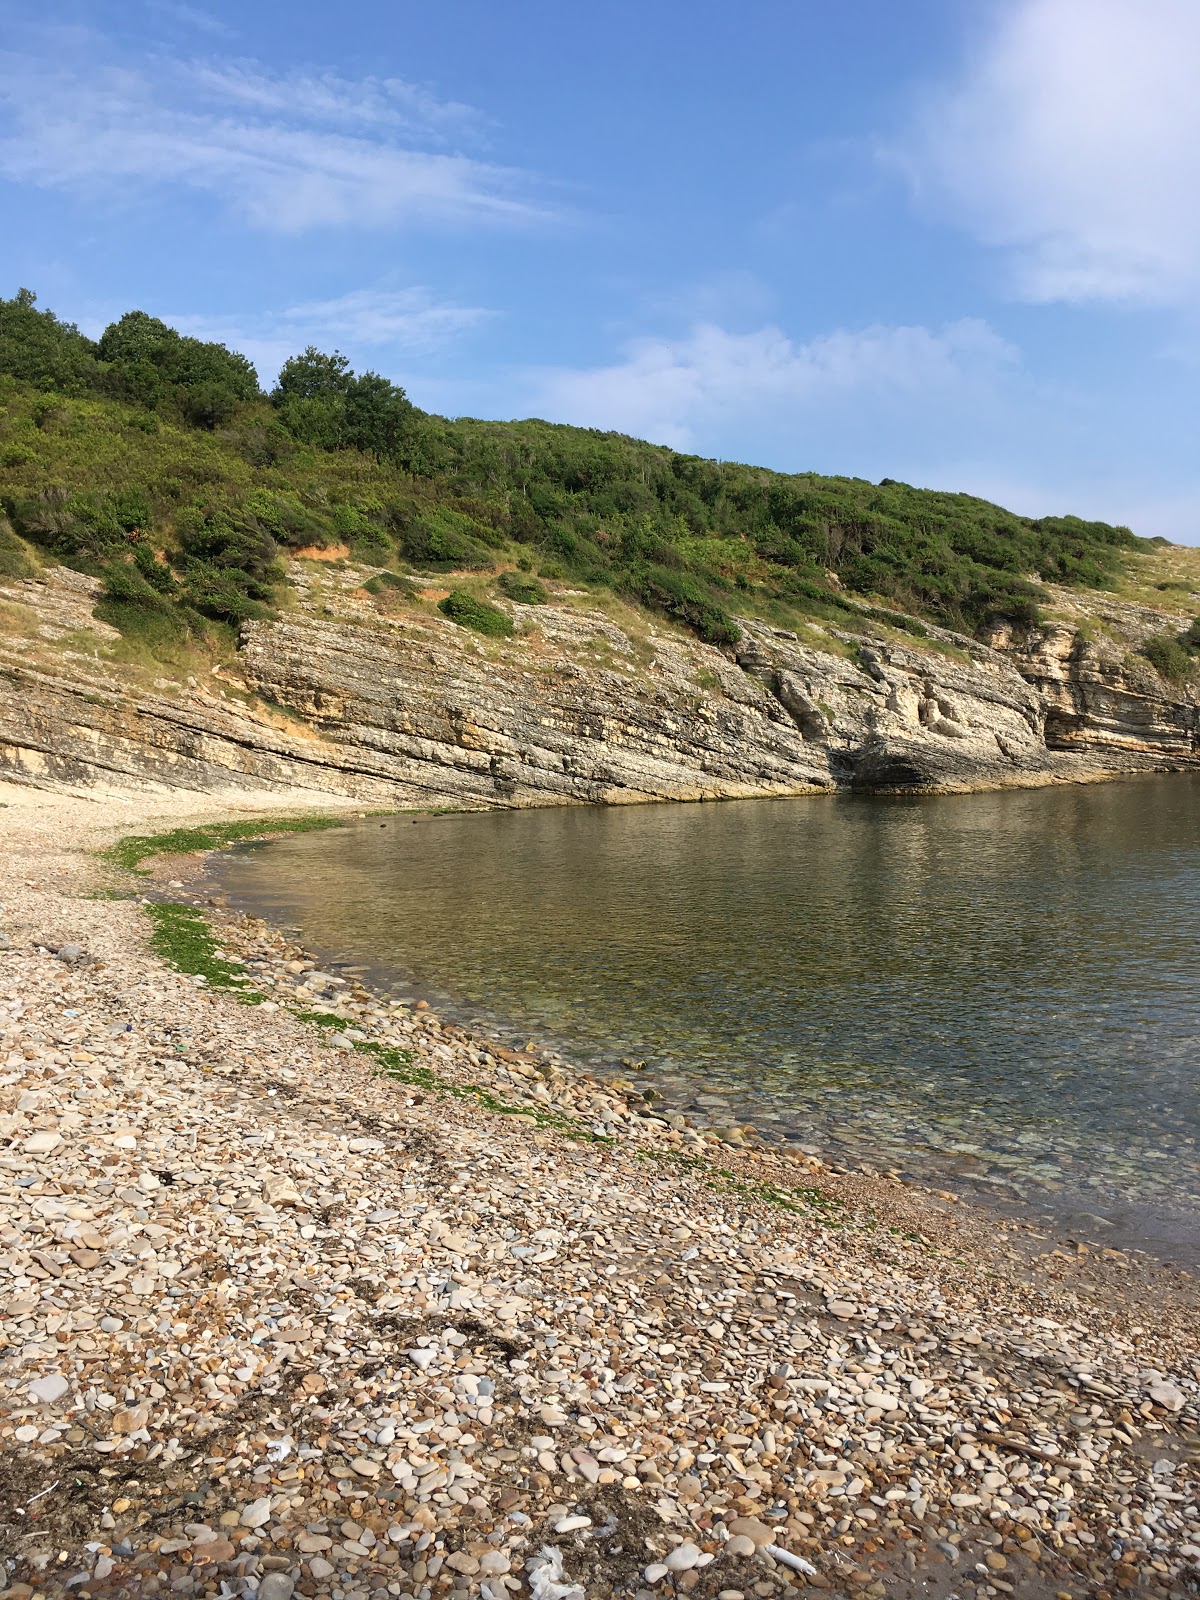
column 398, row 1064
column 183, row 938
column 323, row 1019
column 131, row 851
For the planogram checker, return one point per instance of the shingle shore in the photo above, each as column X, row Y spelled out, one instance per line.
column 276, row 1320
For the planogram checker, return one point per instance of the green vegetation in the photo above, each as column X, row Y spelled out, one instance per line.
column 468, row 612
column 385, row 585
column 521, row 587
column 1171, row 655
column 135, row 848
column 398, row 1064
column 182, row 937
column 16, row 560
column 800, row 1198
column 155, row 461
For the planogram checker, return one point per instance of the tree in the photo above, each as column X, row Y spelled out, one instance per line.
column 324, row 403
column 39, row 349
column 150, row 363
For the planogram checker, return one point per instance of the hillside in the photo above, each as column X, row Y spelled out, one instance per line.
column 326, row 592
column 156, row 463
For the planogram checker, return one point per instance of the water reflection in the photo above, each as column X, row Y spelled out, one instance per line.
column 996, row 988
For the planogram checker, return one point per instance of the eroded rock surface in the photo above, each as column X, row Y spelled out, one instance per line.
column 340, row 697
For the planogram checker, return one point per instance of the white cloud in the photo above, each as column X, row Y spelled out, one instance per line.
column 370, row 325
column 189, row 17
column 327, row 98
column 288, row 153
column 1070, row 141
column 681, row 392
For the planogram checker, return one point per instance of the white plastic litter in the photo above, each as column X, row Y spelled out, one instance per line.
column 787, row 1559
column 547, row 1581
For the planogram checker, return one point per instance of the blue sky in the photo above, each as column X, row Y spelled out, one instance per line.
column 953, row 242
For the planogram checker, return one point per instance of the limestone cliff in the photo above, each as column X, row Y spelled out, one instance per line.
column 342, row 697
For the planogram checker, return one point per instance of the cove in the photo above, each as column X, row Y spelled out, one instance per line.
column 997, row 993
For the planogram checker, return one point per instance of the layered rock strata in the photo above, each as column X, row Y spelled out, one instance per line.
column 340, row 698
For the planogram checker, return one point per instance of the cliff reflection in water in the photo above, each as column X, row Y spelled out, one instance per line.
column 996, row 990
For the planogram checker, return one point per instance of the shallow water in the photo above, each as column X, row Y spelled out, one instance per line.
column 995, row 992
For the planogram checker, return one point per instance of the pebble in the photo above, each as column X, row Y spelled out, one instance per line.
column 373, row 1339
column 49, row 1389
column 276, row 1586
column 256, row 1513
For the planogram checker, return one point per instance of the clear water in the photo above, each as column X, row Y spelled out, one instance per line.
column 994, row 992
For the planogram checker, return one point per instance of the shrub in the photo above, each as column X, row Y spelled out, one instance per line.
column 683, row 596
column 1167, row 656
column 208, row 405
column 527, row 591
column 229, row 564
column 83, row 529
column 284, row 518
column 385, row 585
column 15, row 559
column 360, row 522
column 138, row 608
column 440, row 540
column 471, row 613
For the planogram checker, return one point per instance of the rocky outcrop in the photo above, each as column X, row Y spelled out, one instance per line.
column 341, row 698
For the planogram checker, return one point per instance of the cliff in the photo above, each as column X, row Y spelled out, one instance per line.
column 344, row 697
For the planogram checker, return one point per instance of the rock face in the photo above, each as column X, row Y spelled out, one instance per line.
column 341, row 698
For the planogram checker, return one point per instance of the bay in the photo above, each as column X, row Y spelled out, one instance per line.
column 993, row 992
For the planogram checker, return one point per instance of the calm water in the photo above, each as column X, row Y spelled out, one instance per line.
column 997, row 992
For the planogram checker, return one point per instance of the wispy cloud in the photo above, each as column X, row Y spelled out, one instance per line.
column 190, row 17
column 288, row 153
column 326, row 98
column 1070, row 142
column 372, row 326
column 680, row 391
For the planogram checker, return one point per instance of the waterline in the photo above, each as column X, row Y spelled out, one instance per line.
column 995, row 992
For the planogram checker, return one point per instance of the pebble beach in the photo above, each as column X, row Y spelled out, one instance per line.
column 306, row 1290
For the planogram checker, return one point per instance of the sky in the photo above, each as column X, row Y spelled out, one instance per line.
column 953, row 242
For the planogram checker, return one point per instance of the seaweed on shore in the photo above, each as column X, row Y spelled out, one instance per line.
column 183, row 938
column 398, row 1063
column 799, row 1198
column 135, row 848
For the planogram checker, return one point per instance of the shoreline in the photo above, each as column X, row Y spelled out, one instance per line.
column 341, row 1285
column 1159, row 1225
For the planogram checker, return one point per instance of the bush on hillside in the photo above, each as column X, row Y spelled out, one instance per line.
column 526, row 590
column 440, row 539
column 1167, row 656
column 228, row 565
column 15, row 559
column 471, row 613
column 334, row 455
column 386, row 586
